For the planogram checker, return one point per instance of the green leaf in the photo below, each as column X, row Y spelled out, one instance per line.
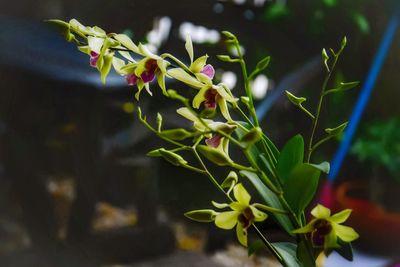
column 205, row 215
column 323, row 166
column 337, row 130
column 300, row 187
column 176, row 134
column 303, row 255
column 255, row 247
column 263, row 63
column 291, row 155
column 343, row 87
column 269, row 199
column 345, row 250
column 172, row 157
column 214, row 155
column 288, row 252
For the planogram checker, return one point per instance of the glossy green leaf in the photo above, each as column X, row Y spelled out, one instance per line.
column 288, row 252
column 304, row 256
column 205, row 215
column 270, row 199
column 300, row 186
column 291, row 155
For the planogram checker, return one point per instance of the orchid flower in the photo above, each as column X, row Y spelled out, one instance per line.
column 242, row 215
column 325, row 229
column 207, row 126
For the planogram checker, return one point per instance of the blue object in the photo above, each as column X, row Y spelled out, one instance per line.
column 364, row 97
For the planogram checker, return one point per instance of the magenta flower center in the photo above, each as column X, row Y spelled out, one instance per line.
column 151, row 68
column 131, row 79
column 93, row 59
column 208, row 70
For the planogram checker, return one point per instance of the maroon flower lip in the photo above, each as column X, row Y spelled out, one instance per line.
column 131, row 79
column 210, row 97
column 93, row 59
column 214, row 141
column 150, row 73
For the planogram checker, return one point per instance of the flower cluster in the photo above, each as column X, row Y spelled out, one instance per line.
column 286, row 181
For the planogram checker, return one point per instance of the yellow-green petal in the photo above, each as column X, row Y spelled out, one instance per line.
column 341, row 217
column 220, row 205
column 305, row 229
column 259, row 216
column 346, row 233
column 198, row 64
column 226, row 220
column 321, row 212
column 237, row 206
column 127, row 42
column 330, row 240
column 200, row 97
column 223, row 107
column 241, row 234
column 189, row 47
column 241, row 194
column 161, row 82
column 183, row 76
column 95, row 44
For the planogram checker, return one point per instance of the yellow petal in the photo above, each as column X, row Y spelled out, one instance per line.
column 305, row 229
column 330, row 240
column 226, row 220
column 241, row 234
column 241, row 195
column 341, row 217
column 189, row 47
column 259, row 216
column 321, row 212
column 198, row 64
column 346, row 233
column 181, row 75
column 200, row 97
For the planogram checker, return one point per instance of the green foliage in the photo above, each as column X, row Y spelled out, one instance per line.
column 300, row 187
column 378, row 144
column 291, row 155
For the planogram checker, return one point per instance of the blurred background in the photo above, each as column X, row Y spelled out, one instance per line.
column 75, row 186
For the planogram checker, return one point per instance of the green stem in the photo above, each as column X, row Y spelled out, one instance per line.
column 318, row 110
column 271, row 248
column 177, row 61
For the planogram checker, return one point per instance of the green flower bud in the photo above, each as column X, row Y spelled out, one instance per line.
column 172, row 157
column 214, row 155
column 253, row 136
column 201, row 215
column 176, row 134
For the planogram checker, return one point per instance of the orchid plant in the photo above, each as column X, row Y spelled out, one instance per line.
column 286, row 180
